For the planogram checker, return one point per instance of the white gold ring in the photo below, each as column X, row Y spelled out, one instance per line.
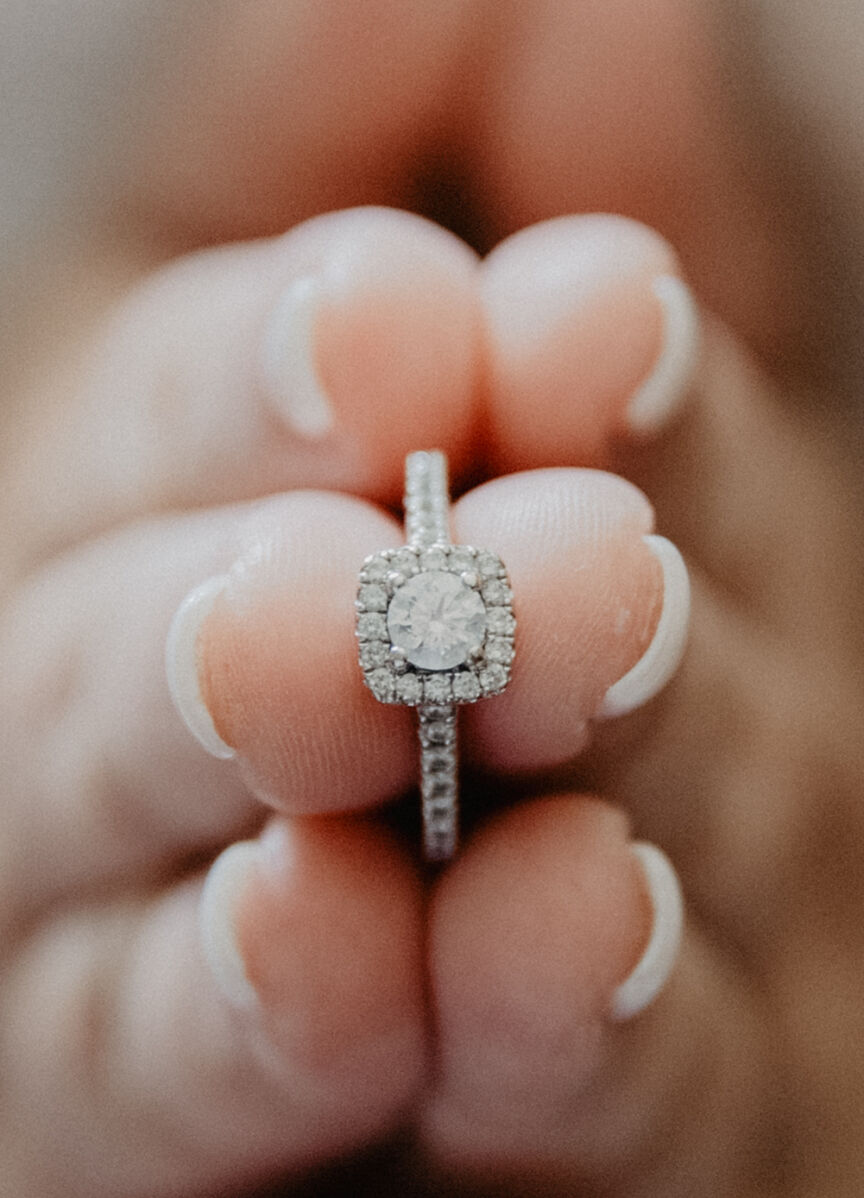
column 435, row 629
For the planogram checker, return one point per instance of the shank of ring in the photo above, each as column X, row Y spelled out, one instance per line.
column 427, row 505
column 438, row 781
column 427, row 500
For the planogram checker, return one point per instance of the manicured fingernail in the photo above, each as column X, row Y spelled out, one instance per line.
column 660, row 660
column 269, row 857
column 181, row 664
column 655, row 965
column 288, row 360
column 661, row 393
column 226, row 880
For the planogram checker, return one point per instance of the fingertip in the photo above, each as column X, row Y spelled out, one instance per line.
column 529, row 932
column 590, row 334
column 587, row 598
column 277, row 660
column 331, row 943
column 372, row 345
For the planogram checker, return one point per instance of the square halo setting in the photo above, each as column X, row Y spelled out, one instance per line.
column 466, row 594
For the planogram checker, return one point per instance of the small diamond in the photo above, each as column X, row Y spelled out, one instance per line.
column 466, row 687
column 499, row 649
column 438, row 761
column 404, row 561
column 372, row 598
column 380, row 682
column 373, row 653
column 493, row 678
column 438, row 789
column 462, row 559
column 434, row 559
column 500, row 621
column 497, row 591
column 398, row 660
column 436, row 620
column 409, row 688
column 438, row 732
column 371, row 626
column 436, row 689
column 375, row 569
column 440, row 811
column 489, row 564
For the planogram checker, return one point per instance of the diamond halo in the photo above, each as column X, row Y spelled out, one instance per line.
column 442, row 616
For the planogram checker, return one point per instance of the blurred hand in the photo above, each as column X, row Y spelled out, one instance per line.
column 174, row 417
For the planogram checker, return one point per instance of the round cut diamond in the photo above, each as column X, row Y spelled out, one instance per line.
column 436, row 620
column 372, row 597
column 499, row 649
column 436, row 689
column 497, row 591
column 499, row 620
column 466, row 687
column 493, row 679
column 409, row 688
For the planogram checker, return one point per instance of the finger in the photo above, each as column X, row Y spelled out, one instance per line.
column 602, row 609
column 607, row 369
column 104, row 782
column 317, row 359
column 591, row 335
column 305, row 1041
column 533, row 935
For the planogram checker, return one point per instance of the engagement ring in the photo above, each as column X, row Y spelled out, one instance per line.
column 435, row 628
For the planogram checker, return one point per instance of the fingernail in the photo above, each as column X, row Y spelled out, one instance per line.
column 182, row 666
column 288, row 360
column 661, row 393
column 652, row 972
column 225, row 882
column 660, row 660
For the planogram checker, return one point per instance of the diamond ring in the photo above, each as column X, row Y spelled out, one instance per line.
column 435, row 629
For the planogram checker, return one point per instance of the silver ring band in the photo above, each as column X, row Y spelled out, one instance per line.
column 435, row 629
column 427, row 522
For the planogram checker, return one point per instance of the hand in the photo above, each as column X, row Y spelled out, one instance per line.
column 119, row 1044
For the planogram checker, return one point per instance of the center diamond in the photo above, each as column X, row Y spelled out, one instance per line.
column 436, row 620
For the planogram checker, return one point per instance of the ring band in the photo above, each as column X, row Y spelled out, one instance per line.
column 435, row 629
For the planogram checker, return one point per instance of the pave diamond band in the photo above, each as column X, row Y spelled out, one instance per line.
column 435, row 629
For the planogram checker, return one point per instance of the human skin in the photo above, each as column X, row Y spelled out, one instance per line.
column 138, row 426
